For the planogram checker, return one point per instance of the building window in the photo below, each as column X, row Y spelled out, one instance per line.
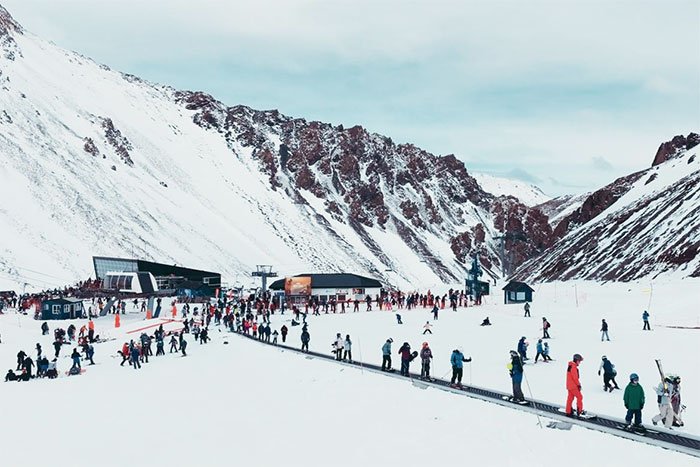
column 520, row 296
column 56, row 309
column 358, row 291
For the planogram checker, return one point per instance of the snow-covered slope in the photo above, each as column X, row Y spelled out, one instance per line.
column 95, row 162
column 315, row 413
column 528, row 194
column 644, row 224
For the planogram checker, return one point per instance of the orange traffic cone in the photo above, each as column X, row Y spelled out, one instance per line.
column 117, row 321
column 148, row 314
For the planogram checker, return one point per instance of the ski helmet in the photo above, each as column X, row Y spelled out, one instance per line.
column 604, row 357
column 425, row 344
column 390, row 340
column 578, row 357
column 634, row 377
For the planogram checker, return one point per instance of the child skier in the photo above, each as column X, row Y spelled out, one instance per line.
column 634, row 403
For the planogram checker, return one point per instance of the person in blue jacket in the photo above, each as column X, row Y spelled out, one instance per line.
column 645, row 318
column 75, row 356
column 386, row 355
column 134, row 353
column 540, row 351
column 522, row 349
column 457, row 360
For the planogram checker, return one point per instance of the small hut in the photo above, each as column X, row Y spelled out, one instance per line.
column 517, row 292
column 62, row 308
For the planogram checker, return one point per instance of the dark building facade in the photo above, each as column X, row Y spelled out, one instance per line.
column 517, row 292
column 167, row 276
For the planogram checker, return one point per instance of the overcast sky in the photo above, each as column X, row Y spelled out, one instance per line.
column 567, row 95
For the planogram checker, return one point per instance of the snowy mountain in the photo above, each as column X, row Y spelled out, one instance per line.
column 644, row 224
column 528, row 194
column 95, row 162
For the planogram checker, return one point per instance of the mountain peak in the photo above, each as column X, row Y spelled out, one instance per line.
column 8, row 23
column 672, row 148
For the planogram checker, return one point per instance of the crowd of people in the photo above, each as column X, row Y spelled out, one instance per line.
column 251, row 316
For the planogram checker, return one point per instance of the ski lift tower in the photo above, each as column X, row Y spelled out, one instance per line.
column 264, row 271
column 473, row 284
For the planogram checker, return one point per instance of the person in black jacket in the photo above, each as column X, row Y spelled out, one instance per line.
column 608, row 374
column 604, row 331
column 20, row 359
column 305, row 338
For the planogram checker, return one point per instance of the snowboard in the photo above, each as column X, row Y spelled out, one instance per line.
column 585, row 416
column 389, row 370
column 414, row 354
column 82, row 370
column 636, row 430
column 510, row 399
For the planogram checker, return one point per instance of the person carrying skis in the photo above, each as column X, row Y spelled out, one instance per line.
column 426, row 355
column 634, row 403
column 405, row 352
column 457, row 360
column 545, row 328
column 305, row 338
column 663, row 398
column 426, row 327
column 676, row 401
column 604, row 331
column 386, row 355
column 573, row 386
column 645, row 318
column 608, row 374
column 516, row 371
column 522, row 349
column 527, row 310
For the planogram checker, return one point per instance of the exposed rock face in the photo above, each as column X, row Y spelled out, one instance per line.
column 677, row 145
column 596, row 203
column 639, row 226
column 8, row 27
column 114, row 137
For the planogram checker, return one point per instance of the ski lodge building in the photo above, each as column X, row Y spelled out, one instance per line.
column 168, row 277
column 301, row 288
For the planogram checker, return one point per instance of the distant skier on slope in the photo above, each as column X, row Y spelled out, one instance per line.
column 545, row 328
column 645, row 318
column 426, row 327
column 527, row 309
column 604, row 331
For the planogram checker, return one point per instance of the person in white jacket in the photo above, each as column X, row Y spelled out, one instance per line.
column 347, row 349
column 427, row 327
column 663, row 393
column 339, row 345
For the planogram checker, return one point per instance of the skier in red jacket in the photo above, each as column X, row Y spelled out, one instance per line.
column 573, row 386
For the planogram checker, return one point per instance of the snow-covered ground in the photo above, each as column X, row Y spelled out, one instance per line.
column 260, row 406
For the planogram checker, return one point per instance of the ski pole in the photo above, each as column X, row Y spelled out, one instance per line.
column 359, row 348
column 537, row 412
